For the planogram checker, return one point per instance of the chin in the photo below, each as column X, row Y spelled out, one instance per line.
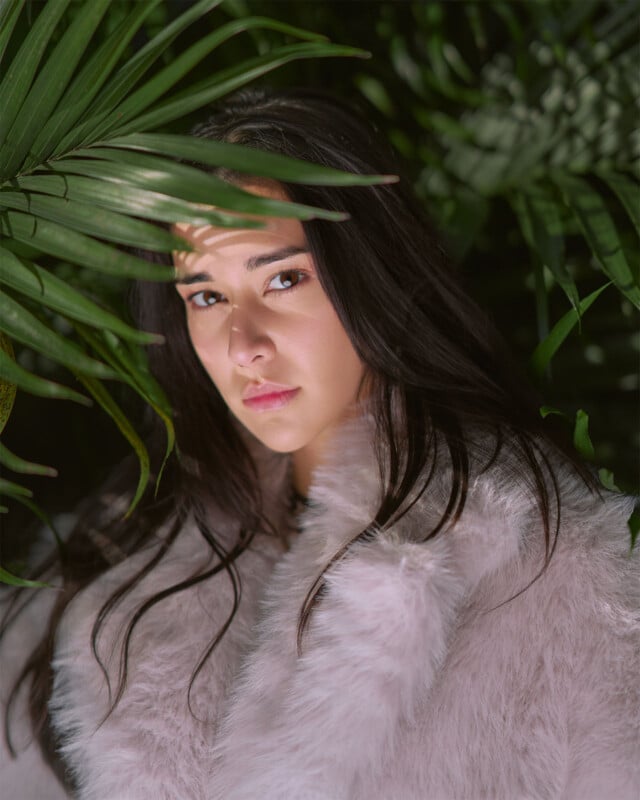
column 279, row 439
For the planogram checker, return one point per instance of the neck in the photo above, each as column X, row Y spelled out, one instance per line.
column 304, row 465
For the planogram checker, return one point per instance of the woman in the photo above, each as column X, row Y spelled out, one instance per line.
column 371, row 571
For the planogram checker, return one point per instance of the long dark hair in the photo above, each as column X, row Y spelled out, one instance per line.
column 436, row 367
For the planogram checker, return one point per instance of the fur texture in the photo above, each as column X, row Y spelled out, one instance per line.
column 423, row 673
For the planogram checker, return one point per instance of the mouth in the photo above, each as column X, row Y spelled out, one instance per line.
column 268, row 396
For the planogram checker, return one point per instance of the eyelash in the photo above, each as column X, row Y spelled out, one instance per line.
column 302, row 278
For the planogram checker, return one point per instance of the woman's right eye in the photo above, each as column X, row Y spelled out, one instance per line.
column 205, row 298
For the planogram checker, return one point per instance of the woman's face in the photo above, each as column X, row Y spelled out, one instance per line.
column 266, row 333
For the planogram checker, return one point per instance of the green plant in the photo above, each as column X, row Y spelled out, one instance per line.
column 529, row 121
column 520, row 121
column 87, row 166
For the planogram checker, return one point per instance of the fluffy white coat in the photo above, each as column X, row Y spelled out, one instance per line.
column 424, row 674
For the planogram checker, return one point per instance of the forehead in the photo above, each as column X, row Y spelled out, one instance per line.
column 213, row 243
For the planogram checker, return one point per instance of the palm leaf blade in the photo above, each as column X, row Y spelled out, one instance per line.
column 545, row 351
column 124, row 198
column 181, row 180
column 22, row 326
column 106, row 401
column 225, row 82
column 41, row 285
column 167, row 78
column 49, row 85
column 244, row 159
column 89, row 82
column 84, row 218
column 16, row 464
column 56, row 240
column 18, row 78
column 9, row 13
column 600, row 232
column 12, row 373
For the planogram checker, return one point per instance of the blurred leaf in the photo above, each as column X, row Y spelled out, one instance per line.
column 545, row 351
column 545, row 233
column 7, row 388
column 22, row 326
column 12, row 373
column 627, row 192
column 581, row 438
column 13, row 489
column 14, row 580
column 51, row 291
column 106, row 401
column 607, row 479
column 599, row 230
column 545, row 411
column 245, row 159
column 17, row 464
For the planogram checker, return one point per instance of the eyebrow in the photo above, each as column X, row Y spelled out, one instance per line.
column 250, row 264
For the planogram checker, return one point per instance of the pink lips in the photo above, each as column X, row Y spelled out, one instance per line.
column 268, row 396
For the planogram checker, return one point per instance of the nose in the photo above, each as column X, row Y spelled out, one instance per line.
column 249, row 341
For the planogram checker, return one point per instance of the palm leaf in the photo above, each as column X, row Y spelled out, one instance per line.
column 7, row 387
column 181, row 180
column 600, row 231
column 108, row 404
column 17, row 464
column 96, row 222
column 167, row 78
column 22, row 326
column 19, row 75
column 227, row 81
column 48, row 87
column 88, row 83
column 13, row 580
column 12, row 375
column 236, row 157
column 9, row 14
column 545, row 351
column 129, row 74
column 61, row 242
column 41, row 285
column 125, row 198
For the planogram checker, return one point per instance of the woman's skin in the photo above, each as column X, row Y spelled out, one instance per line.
column 268, row 336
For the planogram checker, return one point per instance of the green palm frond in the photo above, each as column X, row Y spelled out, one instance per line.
column 87, row 166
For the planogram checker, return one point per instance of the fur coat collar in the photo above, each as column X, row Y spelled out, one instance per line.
column 425, row 671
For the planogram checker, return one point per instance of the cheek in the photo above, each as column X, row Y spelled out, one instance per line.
column 207, row 348
column 339, row 366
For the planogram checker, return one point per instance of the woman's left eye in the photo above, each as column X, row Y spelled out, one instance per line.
column 288, row 279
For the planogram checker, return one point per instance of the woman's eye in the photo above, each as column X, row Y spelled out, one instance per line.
column 205, row 299
column 286, row 280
